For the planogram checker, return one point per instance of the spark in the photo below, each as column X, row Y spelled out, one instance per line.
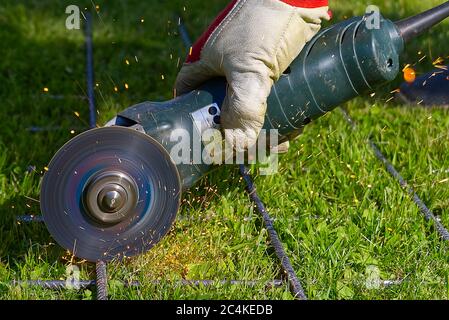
column 438, row 61
column 46, row 89
column 127, row 62
column 409, row 74
column 126, row 86
column 442, row 67
column 72, row 131
column 46, row 168
column 77, row 114
column 115, row 89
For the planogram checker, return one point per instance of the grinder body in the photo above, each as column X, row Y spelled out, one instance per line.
column 337, row 65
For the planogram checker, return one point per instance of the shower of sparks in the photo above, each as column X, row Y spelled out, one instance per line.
column 438, row 63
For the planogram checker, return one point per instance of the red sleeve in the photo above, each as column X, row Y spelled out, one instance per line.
column 307, row 3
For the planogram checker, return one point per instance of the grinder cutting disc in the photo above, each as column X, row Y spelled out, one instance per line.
column 110, row 193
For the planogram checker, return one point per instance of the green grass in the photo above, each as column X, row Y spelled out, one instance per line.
column 337, row 210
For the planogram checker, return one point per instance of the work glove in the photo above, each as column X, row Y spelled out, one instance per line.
column 251, row 43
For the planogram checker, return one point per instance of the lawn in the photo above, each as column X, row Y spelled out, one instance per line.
column 338, row 212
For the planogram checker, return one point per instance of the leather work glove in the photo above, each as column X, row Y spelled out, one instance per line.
column 251, row 43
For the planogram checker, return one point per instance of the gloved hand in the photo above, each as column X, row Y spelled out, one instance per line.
column 251, row 43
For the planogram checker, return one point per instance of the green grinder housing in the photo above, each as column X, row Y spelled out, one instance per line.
column 340, row 63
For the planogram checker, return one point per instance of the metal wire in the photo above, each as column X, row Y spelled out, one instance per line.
column 425, row 211
column 90, row 70
column 295, row 284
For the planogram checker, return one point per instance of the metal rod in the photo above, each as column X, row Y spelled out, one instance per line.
column 425, row 211
column 88, row 34
column 36, row 129
column 55, row 284
column 102, row 280
column 186, row 40
column 85, row 284
column 90, row 70
column 30, row 218
column 295, row 284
